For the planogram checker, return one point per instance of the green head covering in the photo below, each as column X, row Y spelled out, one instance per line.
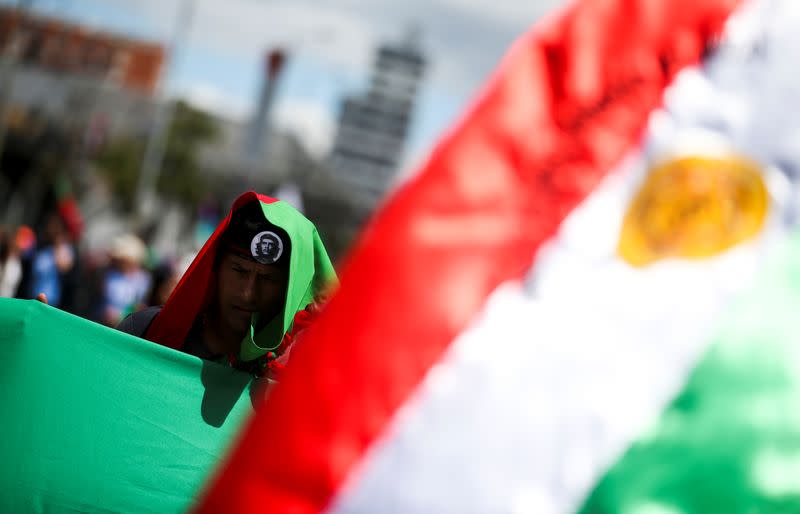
column 310, row 275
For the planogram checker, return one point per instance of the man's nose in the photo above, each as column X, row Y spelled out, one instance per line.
column 249, row 288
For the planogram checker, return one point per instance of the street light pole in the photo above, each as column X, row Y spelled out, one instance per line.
column 159, row 132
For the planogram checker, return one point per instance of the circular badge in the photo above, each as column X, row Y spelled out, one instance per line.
column 694, row 207
column 266, row 247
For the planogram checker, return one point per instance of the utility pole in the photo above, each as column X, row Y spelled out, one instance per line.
column 159, row 133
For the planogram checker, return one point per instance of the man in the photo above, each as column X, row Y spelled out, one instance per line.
column 250, row 289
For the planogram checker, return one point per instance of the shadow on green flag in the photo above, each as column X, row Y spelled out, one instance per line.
column 224, row 386
column 97, row 420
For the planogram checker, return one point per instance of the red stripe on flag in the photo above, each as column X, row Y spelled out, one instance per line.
column 567, row 102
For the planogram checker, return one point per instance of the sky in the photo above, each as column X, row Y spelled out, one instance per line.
column 218, row 63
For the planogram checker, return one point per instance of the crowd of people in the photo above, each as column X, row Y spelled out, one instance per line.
column 104, row 287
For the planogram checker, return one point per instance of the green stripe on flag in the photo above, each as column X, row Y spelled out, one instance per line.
column 95, row 420
column 730, row 442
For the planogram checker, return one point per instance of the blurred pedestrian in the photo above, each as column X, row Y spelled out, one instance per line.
column 164, row 279
column 125, row 282
column 12, row 246
column 49, row 263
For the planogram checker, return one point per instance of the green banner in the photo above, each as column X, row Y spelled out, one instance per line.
column 95, row 420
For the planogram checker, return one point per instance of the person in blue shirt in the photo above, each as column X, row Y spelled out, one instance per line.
column 50, row 262
column 125, row 284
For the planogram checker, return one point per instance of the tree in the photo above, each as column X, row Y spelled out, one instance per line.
column 180, row 178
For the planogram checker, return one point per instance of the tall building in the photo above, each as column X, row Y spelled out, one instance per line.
column 373, row 126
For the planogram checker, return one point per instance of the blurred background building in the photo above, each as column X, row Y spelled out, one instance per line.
column 69, row 72
column 374, row 126
column 53, row 45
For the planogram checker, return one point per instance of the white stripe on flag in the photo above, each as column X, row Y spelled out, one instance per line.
column 534, row 401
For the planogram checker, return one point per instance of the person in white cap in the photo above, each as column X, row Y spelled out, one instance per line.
column 125, row 283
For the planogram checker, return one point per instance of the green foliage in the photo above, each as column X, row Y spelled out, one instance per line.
column 180, row 178
column 120, row 163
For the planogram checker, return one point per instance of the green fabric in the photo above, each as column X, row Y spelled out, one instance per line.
column 310, row 273
column 730, row 442
column 95, row 420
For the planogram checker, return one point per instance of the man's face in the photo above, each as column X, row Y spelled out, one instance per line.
column 245, row 287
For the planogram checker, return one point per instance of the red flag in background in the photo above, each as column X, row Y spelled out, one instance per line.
column 68, row 208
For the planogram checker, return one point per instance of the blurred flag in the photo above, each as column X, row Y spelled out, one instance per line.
column 68, row 208
column 585, row 301
column 95, row 420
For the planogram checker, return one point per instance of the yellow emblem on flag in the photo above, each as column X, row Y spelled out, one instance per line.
column 694, row 207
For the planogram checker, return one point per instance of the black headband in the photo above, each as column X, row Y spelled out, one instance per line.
column 250, row 235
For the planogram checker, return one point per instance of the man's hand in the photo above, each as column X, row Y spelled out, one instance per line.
column 42, row 298
column 260, row 390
